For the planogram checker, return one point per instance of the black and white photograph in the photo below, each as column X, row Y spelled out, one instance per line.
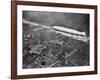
column 55, row 39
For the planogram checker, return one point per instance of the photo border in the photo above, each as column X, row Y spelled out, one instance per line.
column 14, row 38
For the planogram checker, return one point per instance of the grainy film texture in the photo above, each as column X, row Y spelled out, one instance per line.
column 55, row 39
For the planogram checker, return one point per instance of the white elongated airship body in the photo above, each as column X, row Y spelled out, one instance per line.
column 68, row 30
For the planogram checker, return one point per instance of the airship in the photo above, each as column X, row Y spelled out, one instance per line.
column 68, row 30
